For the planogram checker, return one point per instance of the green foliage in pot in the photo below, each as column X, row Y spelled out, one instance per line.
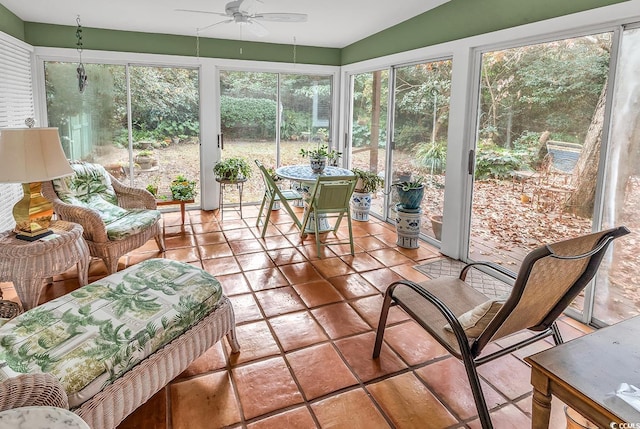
column 232, row 169
column 183, row 189
column 416, row 183
column 368, row 181
column 321, row 151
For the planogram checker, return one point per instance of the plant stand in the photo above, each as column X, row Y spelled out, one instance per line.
column 223, row 184
column 360, row 206
column 408, row 226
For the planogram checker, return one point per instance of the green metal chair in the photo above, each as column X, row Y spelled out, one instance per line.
column 329, row 198
column 272, row 194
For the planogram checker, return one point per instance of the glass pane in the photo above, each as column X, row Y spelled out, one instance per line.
column 92, row 124
column 370, row 98
column 616, row 290
column 248, row 110
column 539, row 131
column 165, row 117
column 420, row 125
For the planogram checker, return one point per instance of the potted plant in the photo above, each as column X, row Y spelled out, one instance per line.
column 152, row 187
column 232, row 169
column 144, row 159
column 318, row 157
column 182, row 189
column 368, row 183
column 410, row 193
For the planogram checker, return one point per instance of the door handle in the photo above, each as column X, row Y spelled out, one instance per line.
column 221, row 141
column 472, row 157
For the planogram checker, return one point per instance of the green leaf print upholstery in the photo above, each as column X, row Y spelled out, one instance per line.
column 91, row 187
column 88, row 338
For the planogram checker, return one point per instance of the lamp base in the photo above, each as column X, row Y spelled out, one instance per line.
column 32, row 213
column 21, row 236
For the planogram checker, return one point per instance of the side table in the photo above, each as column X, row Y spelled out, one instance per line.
column 26, row 263
column 171, row 202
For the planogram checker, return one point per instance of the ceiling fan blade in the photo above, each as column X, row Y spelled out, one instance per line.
column 200, row 11
column 256, row 28
column 214, row 24
column 281, row 17
column 247, row 7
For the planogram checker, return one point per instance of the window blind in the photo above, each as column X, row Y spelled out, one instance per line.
column 16, row 104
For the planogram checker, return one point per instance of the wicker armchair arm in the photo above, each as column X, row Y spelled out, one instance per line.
column 32, row 390
column 133, row 198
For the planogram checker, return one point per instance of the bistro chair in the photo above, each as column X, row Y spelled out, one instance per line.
column 464, row 321
column 273, row 194
column 329, row 198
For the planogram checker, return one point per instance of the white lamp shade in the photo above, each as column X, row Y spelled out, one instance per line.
column 31, row 155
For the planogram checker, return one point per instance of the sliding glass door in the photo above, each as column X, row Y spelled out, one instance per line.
column 420, row 124
column 95, row 125
column 270, row 117
column 540, row 123
column 616, row 292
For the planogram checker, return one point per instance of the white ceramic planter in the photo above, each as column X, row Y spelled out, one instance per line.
column 360, row 206
column 408, row 227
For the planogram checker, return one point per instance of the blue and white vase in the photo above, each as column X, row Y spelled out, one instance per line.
column 408, row 227
column 318, row 164
column 360, row 206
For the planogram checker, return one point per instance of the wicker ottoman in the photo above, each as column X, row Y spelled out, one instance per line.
column 106, row 348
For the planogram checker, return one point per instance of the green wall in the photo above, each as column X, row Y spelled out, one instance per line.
column 61, row 36
column 453, row 20
column 458, row 19
column 11, row 24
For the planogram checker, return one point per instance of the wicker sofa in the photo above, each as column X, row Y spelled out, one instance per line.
column 116, row 218
column 106, row 348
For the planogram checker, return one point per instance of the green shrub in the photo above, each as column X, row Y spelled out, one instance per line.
column 493, row 162
column 433, row 156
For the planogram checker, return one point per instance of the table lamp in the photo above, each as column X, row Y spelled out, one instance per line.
column 30, row 156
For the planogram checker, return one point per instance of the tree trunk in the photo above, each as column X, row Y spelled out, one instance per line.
column 375, row 120
column 585, row 173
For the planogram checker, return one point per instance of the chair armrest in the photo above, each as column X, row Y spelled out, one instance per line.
column 491, row 265
column 93, row 226
column 27, row 390
column 133, row 198
column 456, row 327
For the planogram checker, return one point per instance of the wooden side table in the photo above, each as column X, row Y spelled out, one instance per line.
column 171, row 202
column 27, row 263
column 584, row 372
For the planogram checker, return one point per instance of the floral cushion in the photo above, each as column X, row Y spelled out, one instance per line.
column 91, row 188
column 90, row 337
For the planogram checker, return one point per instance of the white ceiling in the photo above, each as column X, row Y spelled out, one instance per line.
column 331, row 23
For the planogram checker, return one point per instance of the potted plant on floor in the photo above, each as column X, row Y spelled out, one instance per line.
column 368, row 183
column 183, row 189
column 232, row 169
column 144, row 159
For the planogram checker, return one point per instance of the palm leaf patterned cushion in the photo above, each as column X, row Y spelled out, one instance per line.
column 90, row 337
column 90, row 187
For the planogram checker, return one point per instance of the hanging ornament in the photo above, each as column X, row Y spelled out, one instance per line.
column 82, row 74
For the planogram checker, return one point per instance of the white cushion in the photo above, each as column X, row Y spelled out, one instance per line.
column 476, row 320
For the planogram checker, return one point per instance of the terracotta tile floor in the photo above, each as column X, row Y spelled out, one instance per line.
column 306, row 329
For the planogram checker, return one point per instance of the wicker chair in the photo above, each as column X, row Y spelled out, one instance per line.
column 465, row 321
column 79, row 204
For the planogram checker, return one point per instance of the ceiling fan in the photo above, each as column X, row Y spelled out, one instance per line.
column 243, row 12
